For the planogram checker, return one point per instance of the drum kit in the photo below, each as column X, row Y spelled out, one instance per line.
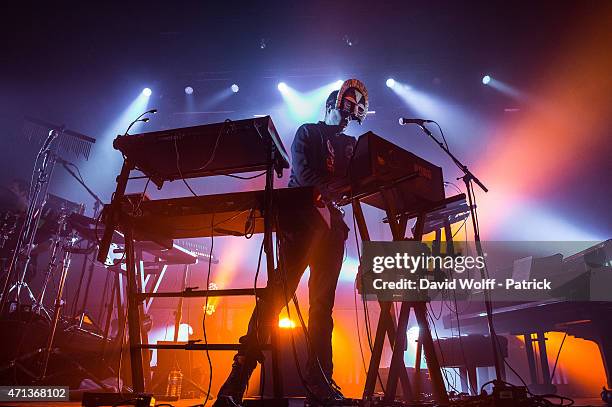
column 44, row 343
column 35, row 225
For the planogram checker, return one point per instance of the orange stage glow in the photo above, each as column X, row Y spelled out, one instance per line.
column 348, row 367
column 562, row 128
column 579, row 365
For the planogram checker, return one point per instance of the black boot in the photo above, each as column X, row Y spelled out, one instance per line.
column 324, row 394
column 232, row 391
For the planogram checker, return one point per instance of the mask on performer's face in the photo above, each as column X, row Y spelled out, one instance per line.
column 352, row 100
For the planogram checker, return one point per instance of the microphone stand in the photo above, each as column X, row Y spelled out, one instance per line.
column 97, row 205
column 469, row 179
column 37, row 199
column 113, row 207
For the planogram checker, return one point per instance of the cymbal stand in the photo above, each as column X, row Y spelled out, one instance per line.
column 7, row 228
column 38, row 193
column 38, row 305
column 70, row 240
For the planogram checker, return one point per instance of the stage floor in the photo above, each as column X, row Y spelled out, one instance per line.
column 292, row 403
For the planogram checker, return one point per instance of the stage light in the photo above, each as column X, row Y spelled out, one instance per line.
column 390, row 82
column 188, row 90
column 286, row 323
column 508, row 89
column 338, row 84
column 210, row 309
column 235, row 88
column 147, row 92
column 305, row 106
column 486, row 79
column 448, row 113
column 349, row 41
column 282, row 86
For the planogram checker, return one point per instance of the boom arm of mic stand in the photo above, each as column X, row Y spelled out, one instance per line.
column 467, row 173
column 97, row 199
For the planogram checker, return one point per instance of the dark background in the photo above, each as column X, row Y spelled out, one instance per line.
column 82, row 63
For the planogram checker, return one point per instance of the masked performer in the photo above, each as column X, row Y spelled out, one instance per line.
column 321, row 153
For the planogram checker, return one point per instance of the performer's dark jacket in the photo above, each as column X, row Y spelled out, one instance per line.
column 320, row 157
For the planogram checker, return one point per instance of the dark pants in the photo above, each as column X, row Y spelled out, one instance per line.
column 304, row 242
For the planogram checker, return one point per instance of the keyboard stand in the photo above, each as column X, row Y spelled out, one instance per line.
column 394, row 327
column 115, row 218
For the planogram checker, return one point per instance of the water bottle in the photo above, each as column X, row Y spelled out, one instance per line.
column 175, row 382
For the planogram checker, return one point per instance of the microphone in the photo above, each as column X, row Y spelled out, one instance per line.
column 52, row 135
column 140, row 119
column 405, row 120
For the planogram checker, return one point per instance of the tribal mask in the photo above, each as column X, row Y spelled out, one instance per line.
column 353, row 99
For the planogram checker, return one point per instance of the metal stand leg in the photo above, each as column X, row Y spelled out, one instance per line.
column 530, row 358
column 397, row 332
column 397, row 360
column 433, row 366
column 179, row 308
column 546, row 379
column 109, row 316
column 48, row 275
column 56, row 313
column 277, row 380
column 25, row 242
column 144, row 336
column 138, row 380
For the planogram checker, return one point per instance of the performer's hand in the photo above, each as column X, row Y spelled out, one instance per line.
column 339, row 188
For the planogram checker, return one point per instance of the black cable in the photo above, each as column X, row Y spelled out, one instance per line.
column 444, row 372
column 282, row 271
column 364, row 302
column 210, row 366
column 538, row 399
column 214, row 151
column 557, row 358
column 328, row 381
column 212, row 242
column 73, row 165
column 460, row 227
column 249, row 227
column 470, row 187
column 365, row 369
column 460, row 338
column 245, row 178
column 200, row 228
column 437, row 318
column 486, row 292
column 262, row 381
column 442, row 133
